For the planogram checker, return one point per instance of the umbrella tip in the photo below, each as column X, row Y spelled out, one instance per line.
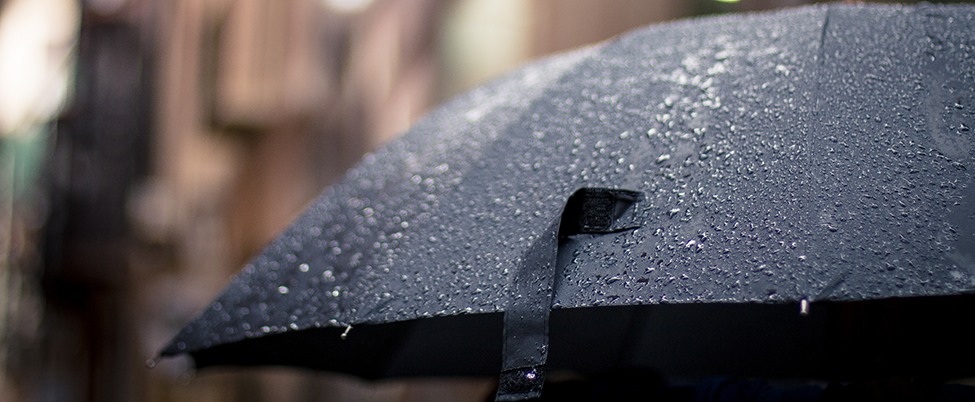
column 345, row 334
column 804, row 307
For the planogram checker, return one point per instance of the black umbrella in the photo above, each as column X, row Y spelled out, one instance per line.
column 816, row 155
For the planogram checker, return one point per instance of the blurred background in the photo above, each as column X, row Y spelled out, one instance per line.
column 149, row 147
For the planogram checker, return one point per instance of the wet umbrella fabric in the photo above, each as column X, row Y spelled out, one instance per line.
column 822, row 154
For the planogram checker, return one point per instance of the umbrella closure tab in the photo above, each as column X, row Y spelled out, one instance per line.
column 525, row 350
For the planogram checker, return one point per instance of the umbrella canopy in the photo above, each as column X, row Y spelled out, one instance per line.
column 821, row 154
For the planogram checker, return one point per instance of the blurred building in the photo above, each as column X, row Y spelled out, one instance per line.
column 171, row 139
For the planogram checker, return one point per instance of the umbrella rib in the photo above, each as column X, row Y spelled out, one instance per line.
column 822, row 35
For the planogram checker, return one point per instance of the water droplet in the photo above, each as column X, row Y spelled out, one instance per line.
column 303, row 267
column 670, row 100
column 185, row 378
column 283, row 289
column 151, row 363
column 663, row 158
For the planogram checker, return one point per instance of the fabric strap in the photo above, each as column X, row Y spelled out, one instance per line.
column 525, row 350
